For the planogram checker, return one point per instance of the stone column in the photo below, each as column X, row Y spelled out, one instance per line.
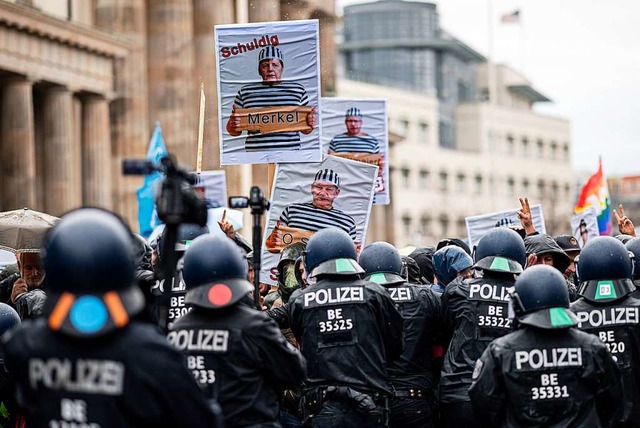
column 63, row 189
column 173, row 99
column 207, row 14
column 17, row 144
column 96, row 152
column 130, row 122
column 263, row 11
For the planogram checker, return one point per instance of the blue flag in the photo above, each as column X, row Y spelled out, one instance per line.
column 146, row 193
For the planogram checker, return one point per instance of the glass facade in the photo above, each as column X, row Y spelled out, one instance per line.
column 400, row 44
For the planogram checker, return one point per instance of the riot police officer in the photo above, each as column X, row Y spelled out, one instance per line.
column 412, row 374
column 610, row 309
column 9, row 319
column 633, row 245
column 546, row 373
column 87, row 362
column 237, row 354
column 474, row 312
column 349, row 329
column 172, row 302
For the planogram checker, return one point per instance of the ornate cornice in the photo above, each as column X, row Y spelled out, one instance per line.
column 32, row 21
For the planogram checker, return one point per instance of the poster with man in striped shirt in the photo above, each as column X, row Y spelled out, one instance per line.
column 357, row 129
column 268, row 92
column 309, row 197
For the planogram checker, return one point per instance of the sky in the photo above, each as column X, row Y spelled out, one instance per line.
column 582, row 54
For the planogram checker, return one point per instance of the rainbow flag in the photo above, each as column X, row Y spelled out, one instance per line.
column 595, row 193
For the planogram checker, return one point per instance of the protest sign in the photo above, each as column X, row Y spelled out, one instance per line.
column 357, row 129
column 268, row 92
column 584, row 226
column 308, row 197
column 478, row 225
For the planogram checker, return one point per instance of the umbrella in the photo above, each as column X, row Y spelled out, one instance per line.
column 23, row 230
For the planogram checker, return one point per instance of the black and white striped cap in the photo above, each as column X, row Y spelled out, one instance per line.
column 270, row 52
column 353, row 111
column 327, row 176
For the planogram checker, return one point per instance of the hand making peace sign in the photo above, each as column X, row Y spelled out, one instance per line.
column 625, row 225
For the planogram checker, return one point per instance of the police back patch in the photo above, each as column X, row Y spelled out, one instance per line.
column 477, row 369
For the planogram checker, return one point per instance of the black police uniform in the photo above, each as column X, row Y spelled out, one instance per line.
column 9, row 319
column 236, row 353
column 87, row 363
column 412, row 374
column 173, row 302
column 474, row 313
column 349, row 329
column 610, row 309
column 546, row 373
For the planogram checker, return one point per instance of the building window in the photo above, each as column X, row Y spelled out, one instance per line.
column 511, row 186
column 541, row 186
column 567, row 192
column 462, row 226
column 425, row 225
column 406, row 172
column 478, row 183
column 554, row 190
column 565, row 152
column 525, row 187
column 460, row 182
column 510, row 144
column 404, row 127
column 444, row 224
column 525, row 146
column 406, row 224
column 423, row 129
column 554, row 151
column 424, row 178
column 540, row 151
column 444, row 177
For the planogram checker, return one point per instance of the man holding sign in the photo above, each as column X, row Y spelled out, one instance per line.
column 314, row 216
column 270, row 110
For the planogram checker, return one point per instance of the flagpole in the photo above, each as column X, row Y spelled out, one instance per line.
column 523, row 46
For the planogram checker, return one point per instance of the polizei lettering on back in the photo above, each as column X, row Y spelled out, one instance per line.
column 608, row 317
column 328, row 296
column 400, row 294
column 549, row 358
column 488, row 292
column 85, row 376
column 200, row 340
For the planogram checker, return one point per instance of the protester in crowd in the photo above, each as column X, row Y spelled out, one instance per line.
column 24, row 290
column 449, row 263
column 412, row 375
column 87, row 362
column 349, row 330
column 546, row 373
column 454, row 241
column 609, row 297
column 248, row 361
column 423, row 256
column 475, row 312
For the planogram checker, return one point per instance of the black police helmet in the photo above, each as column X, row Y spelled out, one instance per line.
column 604, row 257
column 500, row 250
column 633, row 245
column 89, row 250
column 214, row 273
column 331, row 251
column 382, row 263
column 187, row 232
column 541, row 298
column 88, row 257
column 9, row 318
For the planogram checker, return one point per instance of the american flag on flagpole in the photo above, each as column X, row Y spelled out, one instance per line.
column 511, row 18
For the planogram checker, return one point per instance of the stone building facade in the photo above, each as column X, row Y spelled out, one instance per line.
column 83, row 81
